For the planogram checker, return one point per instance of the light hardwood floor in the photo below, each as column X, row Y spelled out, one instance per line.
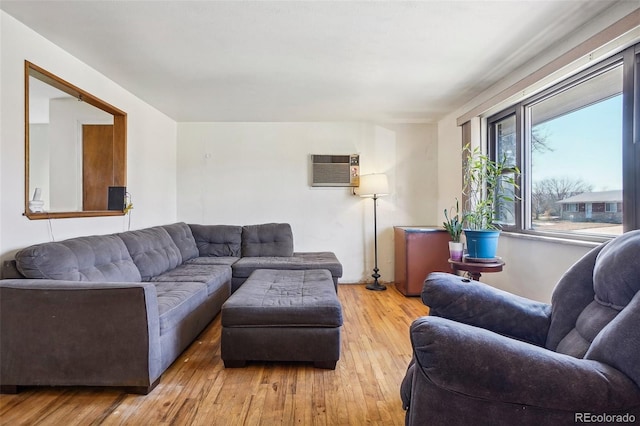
column 197, row 389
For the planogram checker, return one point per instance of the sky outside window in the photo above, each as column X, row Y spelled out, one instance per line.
column 585, row 144
column 577, row 157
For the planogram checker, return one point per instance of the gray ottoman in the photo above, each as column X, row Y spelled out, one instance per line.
column 283, row 316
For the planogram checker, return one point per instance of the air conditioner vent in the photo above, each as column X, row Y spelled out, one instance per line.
column 335, row 170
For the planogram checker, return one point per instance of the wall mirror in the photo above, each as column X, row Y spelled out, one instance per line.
column 75, row 149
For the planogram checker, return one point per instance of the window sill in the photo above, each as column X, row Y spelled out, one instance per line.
column 556, row 239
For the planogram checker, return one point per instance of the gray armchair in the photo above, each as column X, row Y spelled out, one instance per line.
column 485, row 356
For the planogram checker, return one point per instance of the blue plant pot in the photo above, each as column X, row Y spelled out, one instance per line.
column 482, row 244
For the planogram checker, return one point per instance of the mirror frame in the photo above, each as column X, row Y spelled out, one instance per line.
column 119, row 139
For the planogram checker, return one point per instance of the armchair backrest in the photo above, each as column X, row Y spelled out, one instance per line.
column 573, row 293
column 595, row 307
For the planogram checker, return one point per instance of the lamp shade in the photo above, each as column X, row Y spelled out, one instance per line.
column 373, row 185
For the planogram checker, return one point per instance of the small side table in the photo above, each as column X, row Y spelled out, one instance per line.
column 474, row 269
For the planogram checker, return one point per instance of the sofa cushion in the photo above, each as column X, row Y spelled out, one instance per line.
column 181, row 235
column 152, row 250
column 300, row 260
column 214, row 276
column 272, row 298
column 213, row 260
column 93, row 258
column 177, row 300
column 217, row 240
column 268, row 239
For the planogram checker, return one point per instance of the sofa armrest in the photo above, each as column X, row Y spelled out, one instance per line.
column 478, row 304
column 483, row 365
column 60, row 333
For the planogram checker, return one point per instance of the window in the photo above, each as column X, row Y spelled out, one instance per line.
column 570, row 208
column 573, row 144
column 504, row 134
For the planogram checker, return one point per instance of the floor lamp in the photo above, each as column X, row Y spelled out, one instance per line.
column 374, row 186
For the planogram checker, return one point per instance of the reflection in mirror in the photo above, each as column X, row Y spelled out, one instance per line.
column 75, row 149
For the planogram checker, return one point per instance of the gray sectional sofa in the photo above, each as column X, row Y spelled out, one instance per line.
column 117, row 310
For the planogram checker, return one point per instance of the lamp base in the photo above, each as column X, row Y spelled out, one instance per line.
column 376, row 286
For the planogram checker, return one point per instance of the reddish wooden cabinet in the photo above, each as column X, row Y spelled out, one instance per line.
column 419, row 250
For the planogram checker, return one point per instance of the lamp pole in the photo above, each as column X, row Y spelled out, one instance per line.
column 375, row 285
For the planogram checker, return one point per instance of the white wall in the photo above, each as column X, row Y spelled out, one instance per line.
column 534, row 266
column 249, row 173
column 151, row 145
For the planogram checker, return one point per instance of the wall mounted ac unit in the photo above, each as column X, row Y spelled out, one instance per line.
column 335, row 170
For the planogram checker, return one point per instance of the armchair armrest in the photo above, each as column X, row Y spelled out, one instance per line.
column 483, row 365
column 79, row 333
column 478, row 304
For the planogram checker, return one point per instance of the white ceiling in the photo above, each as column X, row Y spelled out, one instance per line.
column 305, row 60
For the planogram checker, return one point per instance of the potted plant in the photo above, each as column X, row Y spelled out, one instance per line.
column 489, row 187
column 453, row 225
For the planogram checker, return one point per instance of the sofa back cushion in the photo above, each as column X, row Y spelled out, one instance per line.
column 152, row 250
column 102, row 258
column 182, row 236
column 269, row 239
column 217, row 240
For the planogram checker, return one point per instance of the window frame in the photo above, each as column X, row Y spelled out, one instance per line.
column 493, row 153
column 629, row 60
